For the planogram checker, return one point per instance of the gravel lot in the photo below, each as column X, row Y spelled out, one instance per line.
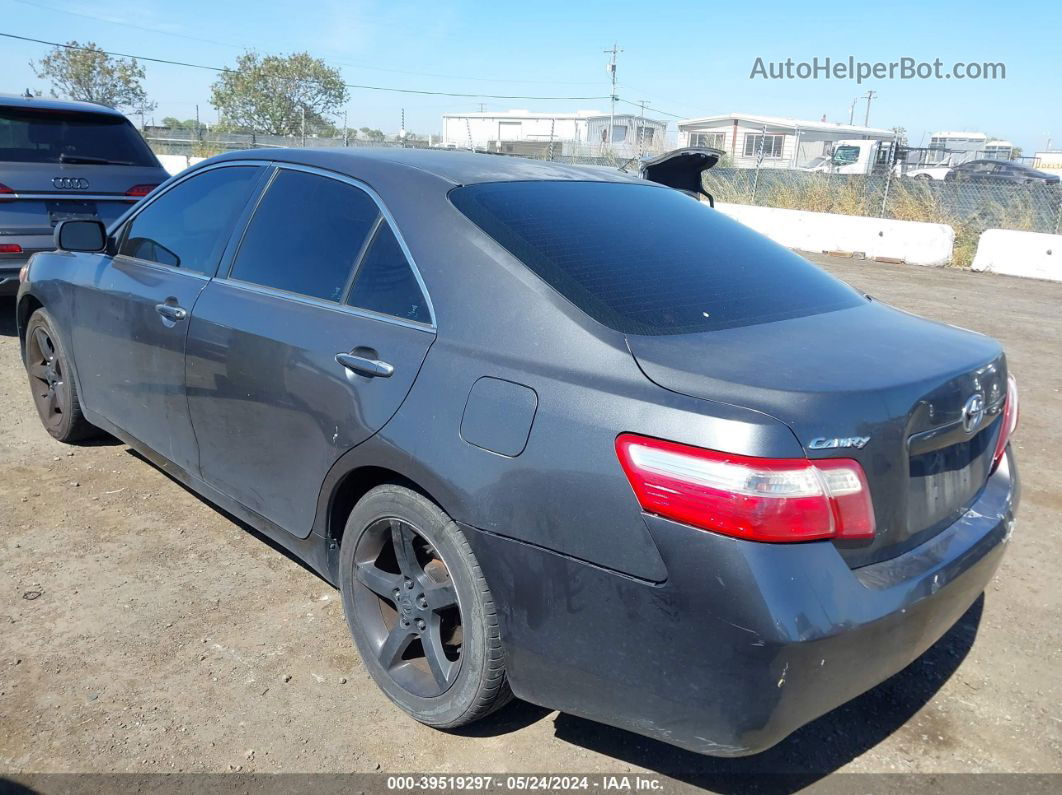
column 165, row 633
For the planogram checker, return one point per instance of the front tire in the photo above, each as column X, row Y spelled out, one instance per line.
column 52, row 383
column 419, row 609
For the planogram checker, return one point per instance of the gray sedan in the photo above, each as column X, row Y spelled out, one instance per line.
column 555, row 432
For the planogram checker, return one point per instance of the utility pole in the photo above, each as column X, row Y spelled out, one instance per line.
column 870, row 95
column 304, row 125
column 196, row 125
column 402, row 128
column 346, row 137
column 611, row 68
column 480, row 107
column 851, row 111
column 641, row 127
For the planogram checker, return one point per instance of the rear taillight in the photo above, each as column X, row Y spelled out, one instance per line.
column 1009, row 421
column 140, row 191
column 761, row 499
column 6, row 193
column 10, row 248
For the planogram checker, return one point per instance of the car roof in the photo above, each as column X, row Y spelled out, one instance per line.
column 455, row 167
column 46, row 103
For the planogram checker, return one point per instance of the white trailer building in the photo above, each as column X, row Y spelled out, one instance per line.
column 578, row 132
column 772, row 141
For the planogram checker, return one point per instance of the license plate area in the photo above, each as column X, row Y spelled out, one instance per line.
column 70, row 210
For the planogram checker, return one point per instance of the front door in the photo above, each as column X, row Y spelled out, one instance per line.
column 304, row 346
column 133, row 319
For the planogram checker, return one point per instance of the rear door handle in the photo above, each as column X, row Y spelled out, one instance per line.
column 171, row 312
column 373, row 368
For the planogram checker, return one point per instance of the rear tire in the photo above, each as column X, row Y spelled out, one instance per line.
column 52, row 383
column 419, row 609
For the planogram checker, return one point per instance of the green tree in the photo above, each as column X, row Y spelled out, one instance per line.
column 89, row 74
column 372, row 135
column 273, row 94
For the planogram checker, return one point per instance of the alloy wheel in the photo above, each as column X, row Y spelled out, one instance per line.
column 47, row 377
column 408, row 606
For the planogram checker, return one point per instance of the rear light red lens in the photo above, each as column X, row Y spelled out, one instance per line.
column 1009, row 421
column 10, row 248
column 6, row 193
column 140, row 191
column 761, row 499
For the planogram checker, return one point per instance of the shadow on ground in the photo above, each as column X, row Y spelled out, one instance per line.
column 7, row 316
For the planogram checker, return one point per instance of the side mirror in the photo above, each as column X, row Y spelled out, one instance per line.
column 80, row 235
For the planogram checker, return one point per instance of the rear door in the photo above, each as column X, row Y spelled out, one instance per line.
column 305, row 344
column 132, row 315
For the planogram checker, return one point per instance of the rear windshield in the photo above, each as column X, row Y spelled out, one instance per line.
column 45, row 136
column 644, row 259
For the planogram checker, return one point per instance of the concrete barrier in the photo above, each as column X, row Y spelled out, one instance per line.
column 175, row 164
column 908, row 241
column 1031, row 254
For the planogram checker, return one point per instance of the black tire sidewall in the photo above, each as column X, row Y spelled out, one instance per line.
column 450, row 707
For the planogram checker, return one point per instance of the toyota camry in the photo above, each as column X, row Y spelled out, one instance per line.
column 558, row 432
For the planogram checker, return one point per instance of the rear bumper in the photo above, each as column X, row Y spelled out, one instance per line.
column 744, row 642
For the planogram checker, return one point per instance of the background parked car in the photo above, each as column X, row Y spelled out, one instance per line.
column 999, row 171
column 64, row 160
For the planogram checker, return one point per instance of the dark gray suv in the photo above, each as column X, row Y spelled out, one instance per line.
column 558, row 432
column 63, row 160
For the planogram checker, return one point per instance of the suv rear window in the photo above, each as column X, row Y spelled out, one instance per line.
column 645, row 259
column 45, row 136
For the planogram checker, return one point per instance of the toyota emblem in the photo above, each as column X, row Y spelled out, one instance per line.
column 973, row 411
column 70, row 183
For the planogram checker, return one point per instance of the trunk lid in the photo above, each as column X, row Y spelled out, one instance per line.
column 869, row 372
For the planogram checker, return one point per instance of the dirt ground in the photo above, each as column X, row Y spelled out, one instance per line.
column 141, row 630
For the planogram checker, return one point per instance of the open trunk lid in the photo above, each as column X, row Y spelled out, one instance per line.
column 869, row 373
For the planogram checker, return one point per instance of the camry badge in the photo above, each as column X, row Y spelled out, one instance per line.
column 822, row 443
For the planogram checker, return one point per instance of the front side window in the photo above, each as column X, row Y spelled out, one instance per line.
column 845, row 155
column 385, row 282
column 645, row 259
column 305, row 235
column 187, row 227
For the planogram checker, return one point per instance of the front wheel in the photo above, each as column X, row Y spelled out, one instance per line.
column 51, row 382
column 420, row 610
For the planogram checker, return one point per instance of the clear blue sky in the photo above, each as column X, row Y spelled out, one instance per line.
column 688, row 58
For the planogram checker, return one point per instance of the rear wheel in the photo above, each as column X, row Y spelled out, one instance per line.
column 419, row 609
column 51, row 382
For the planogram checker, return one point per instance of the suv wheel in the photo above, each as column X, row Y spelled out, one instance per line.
column 419, row 609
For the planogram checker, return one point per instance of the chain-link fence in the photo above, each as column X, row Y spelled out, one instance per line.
column 968, row 207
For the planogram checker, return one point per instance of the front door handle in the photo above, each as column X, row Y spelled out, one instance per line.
column 373, row 368
column 171, row 312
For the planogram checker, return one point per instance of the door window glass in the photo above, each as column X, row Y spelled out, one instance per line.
column 305, row 235
column 385, row 282
column 187, row 227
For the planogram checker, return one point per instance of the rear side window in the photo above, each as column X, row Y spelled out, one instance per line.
column 385, row 282
column 646, row 259
column 46, row 136
column 305, row 235
column 187, row 226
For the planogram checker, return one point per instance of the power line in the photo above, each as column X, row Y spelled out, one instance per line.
column 650, row 107
column 356, row 86
column 161, row 32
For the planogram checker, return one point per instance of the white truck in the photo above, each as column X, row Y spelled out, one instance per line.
column 863, row 156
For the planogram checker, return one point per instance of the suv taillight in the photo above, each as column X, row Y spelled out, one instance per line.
column 140, row 191
column 1010, row 421
column 760, row 499
column 6, row 193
